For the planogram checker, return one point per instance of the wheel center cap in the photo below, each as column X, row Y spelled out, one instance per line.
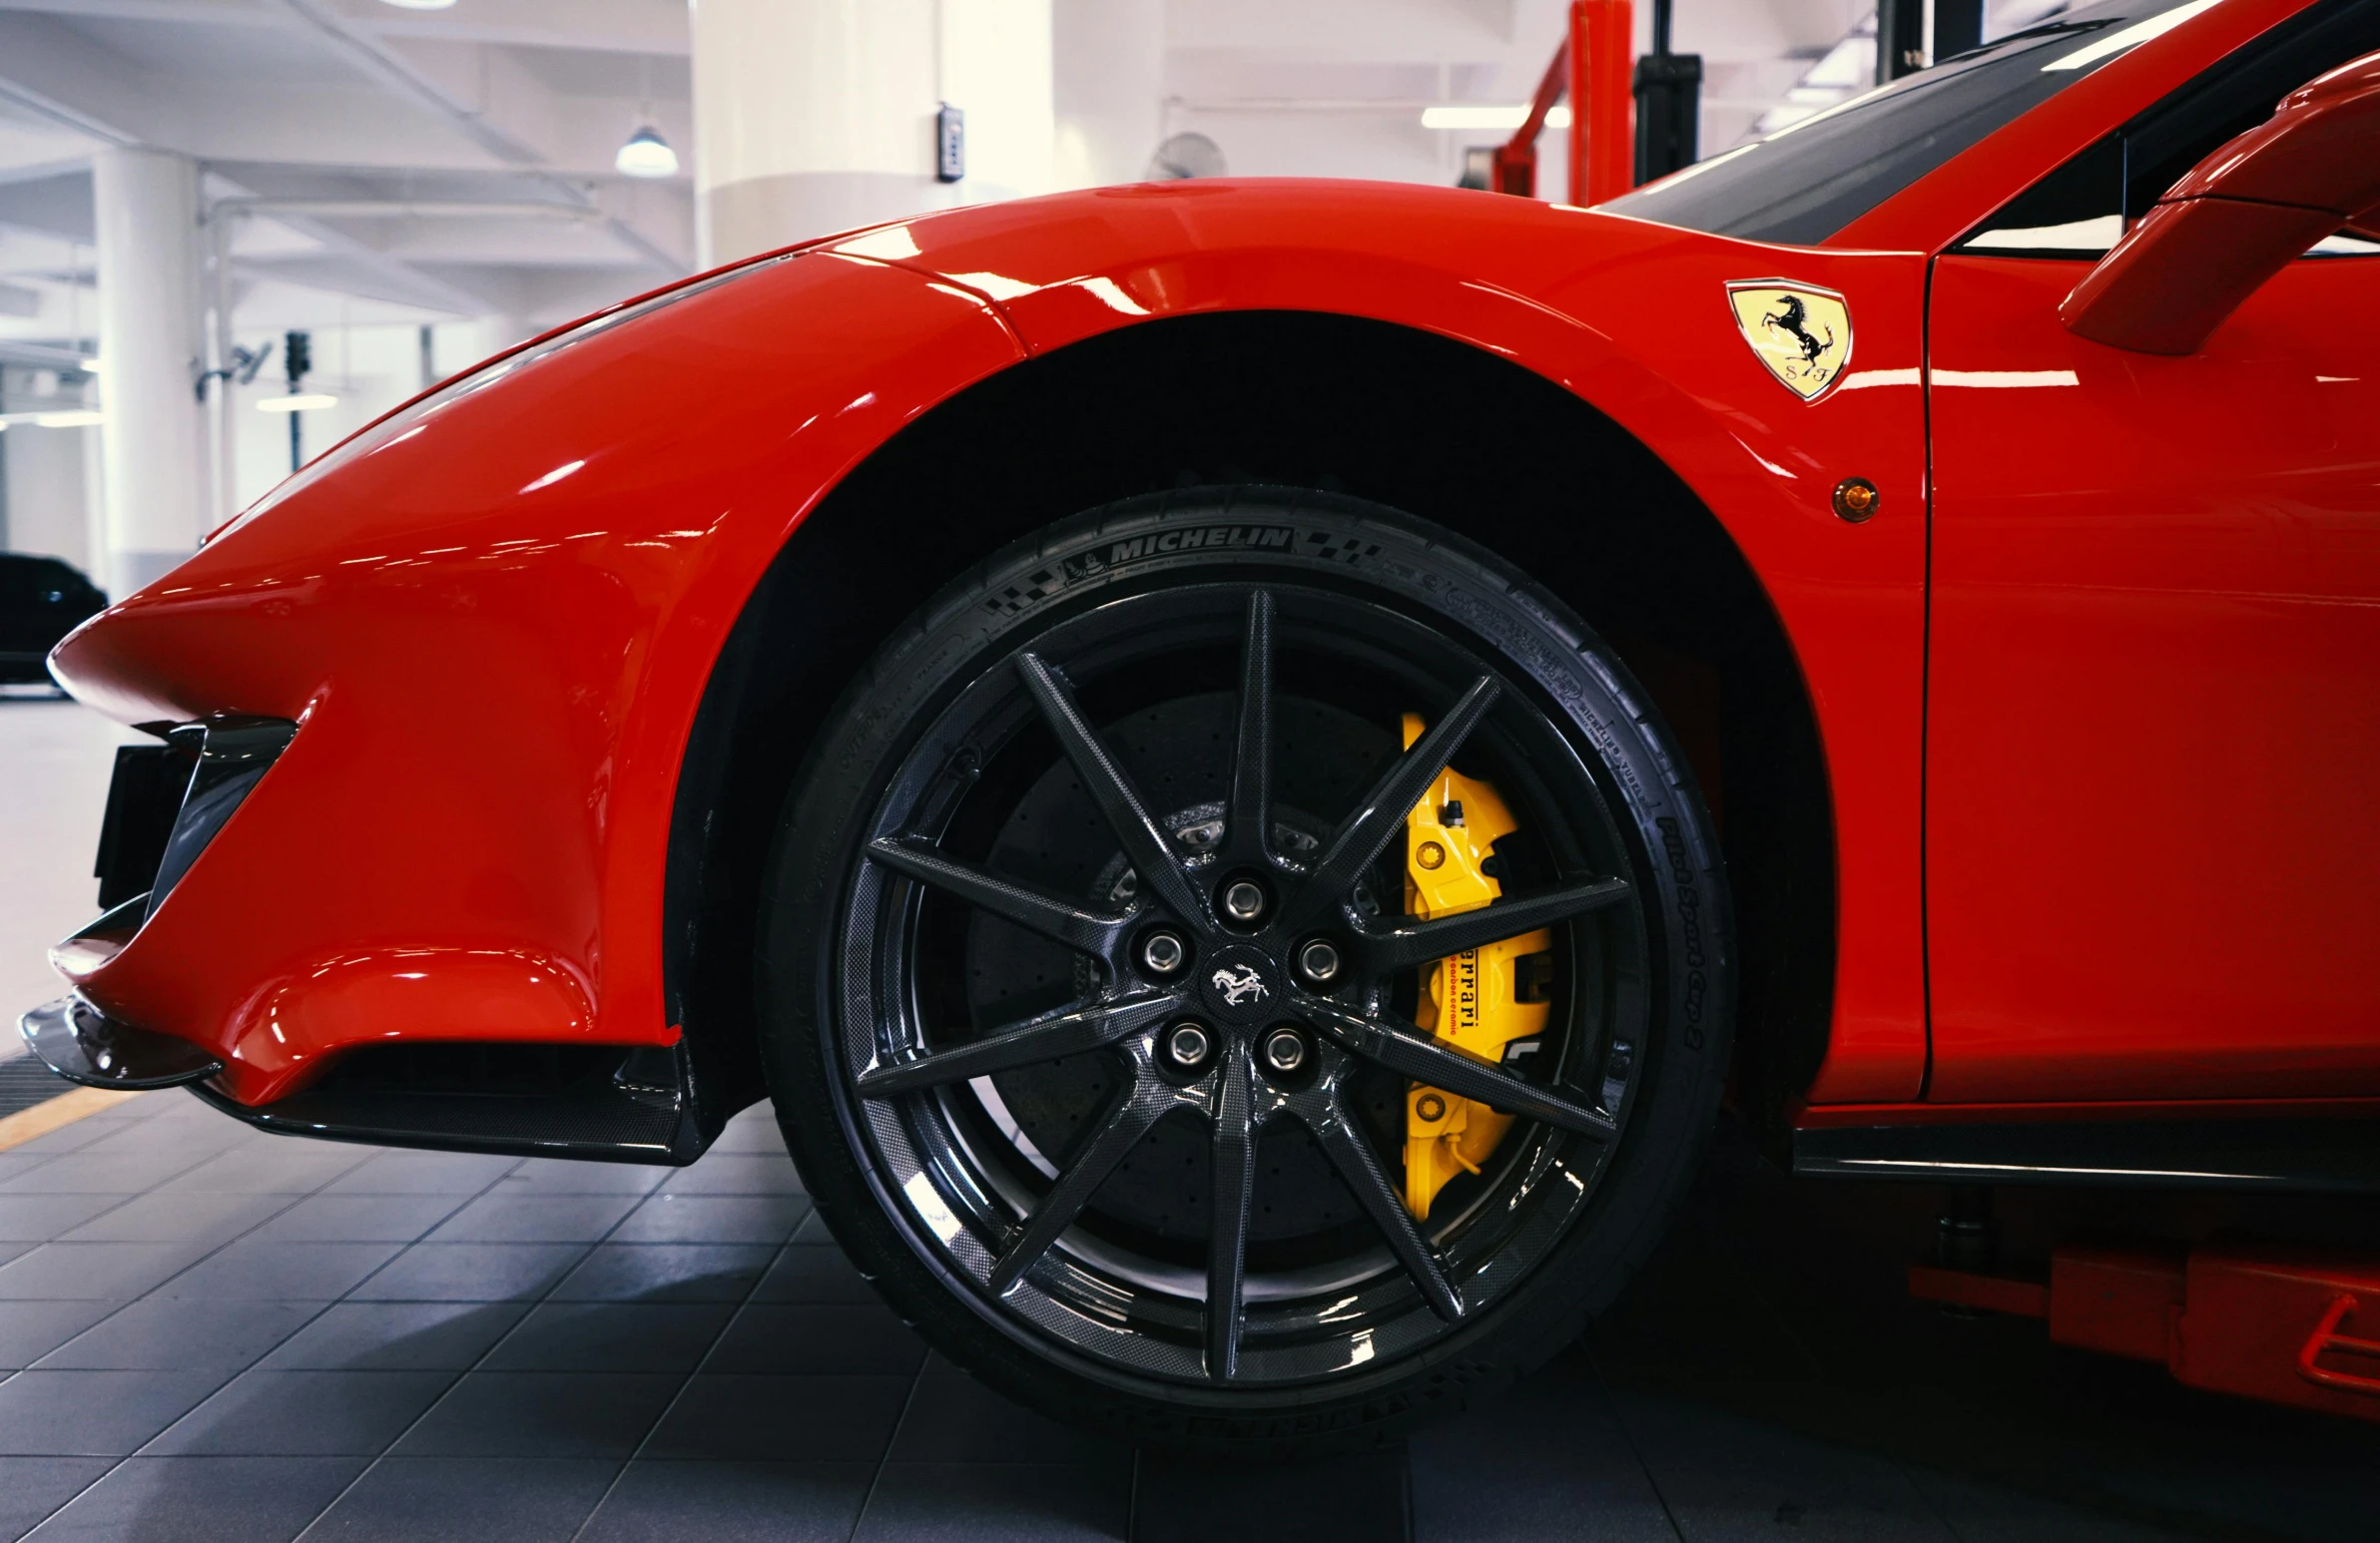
column 1240, row 984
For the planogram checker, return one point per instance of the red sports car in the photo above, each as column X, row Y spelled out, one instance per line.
column 1249, row 763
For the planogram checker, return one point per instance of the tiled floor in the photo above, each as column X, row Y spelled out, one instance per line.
column 206, row 1332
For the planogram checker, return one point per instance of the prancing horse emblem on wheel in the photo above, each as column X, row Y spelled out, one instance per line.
column 1239, row 986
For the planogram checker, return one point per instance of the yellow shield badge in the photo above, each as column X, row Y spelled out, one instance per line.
column 1802, row 334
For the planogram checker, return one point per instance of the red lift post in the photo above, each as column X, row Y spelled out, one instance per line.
column 2259, row 1319
column 1593, row 66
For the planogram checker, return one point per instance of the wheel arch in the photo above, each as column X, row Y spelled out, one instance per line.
column 1336, row 403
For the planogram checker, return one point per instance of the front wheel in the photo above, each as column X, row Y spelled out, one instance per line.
column 1246, row 971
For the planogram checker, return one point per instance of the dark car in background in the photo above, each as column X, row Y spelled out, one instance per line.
column 41, row 600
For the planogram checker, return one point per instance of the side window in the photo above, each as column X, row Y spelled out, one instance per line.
column 2082, row 208
column 19, row 581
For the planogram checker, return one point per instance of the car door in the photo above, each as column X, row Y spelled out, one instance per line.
column 2153, row 813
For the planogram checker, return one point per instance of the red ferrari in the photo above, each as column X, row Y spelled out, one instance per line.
column 1248, row 765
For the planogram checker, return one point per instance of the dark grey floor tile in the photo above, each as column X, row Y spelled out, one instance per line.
column 993, row 1503
column 303, row 1414
column 471, row 1272
column 358, row 1219
column 765, row 1420
column 665, row 1271
column 1360, row 1498
column 92, row 1272
column 779, row 1340
column 814, row 1274
column 1982, row 1512
column 71, row 1136
column 284, row 1272
column 203, row 1500
column 32, row 1487
column 94, row 1413
column 168, row 1216
column 723, row 1502
column 422, row 1173
column 467, row 1500
column 813, row 1230
column 958, row 1420
column 284, row 1167
column 611, row 1337
column 169, row 1333
column 1725, row 1474
column 542, row 1414
column 9, row 1251
column 666, row 1217
column 1545, row 1461
column 562, row 1176
column 154, row 1135
column 91, row 1173
column 31, row 1329
column 396, row 1336
column 504, row 1217
column 738, row 1172
column 755, row 1129
column 40, row 1218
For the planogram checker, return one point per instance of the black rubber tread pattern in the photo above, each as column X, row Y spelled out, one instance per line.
column 1679, row 1086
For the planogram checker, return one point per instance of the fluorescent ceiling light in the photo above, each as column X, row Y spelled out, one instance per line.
column 307, row 403
column 82, row 419
column 1491, row 116
column 647, row 154
column 420, row 5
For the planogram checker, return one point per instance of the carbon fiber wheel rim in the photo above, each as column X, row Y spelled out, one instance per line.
column 1073, row 1245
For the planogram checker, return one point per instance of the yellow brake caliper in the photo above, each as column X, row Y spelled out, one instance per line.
column 1473, row 1000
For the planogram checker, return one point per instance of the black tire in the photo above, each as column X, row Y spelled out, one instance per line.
column 1151, row 615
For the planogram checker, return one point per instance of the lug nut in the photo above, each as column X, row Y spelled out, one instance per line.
column 1242, row 899
column 1186, row 1044
column 1319, row 961
column 1163, row 954
column 1285, row 1049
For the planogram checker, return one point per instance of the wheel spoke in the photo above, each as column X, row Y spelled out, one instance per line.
column 1406, row 1049
column 1381, row 817
column 1046, row 1038
column 1234, row 1184
column 1404, row 948
column 1248, row 816
column 1052, row 916
column 1126, row 1124
column 1146, row 846
column 1360, row 1166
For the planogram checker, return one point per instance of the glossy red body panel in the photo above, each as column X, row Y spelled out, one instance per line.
column 496, row 629
column 481, row 716
column 2154, row 709
column 1545, row 286
column 467, row 838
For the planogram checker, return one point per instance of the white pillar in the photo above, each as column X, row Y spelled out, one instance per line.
column 814, row 116
column 154, row 440
column 1109, row 89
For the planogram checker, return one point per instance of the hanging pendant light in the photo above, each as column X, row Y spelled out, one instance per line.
column 647, row 154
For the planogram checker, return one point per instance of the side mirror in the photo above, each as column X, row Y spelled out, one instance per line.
column 2241, row 216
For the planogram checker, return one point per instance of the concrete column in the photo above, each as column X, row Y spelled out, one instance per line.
column 1109, row 89
column 814, row 116
column 153, row 441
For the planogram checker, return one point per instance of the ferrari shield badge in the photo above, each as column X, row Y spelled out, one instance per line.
column 1803, row 334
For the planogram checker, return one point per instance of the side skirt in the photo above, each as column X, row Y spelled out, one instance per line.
column 2304, row 1154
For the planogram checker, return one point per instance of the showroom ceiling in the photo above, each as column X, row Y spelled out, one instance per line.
column 380, row 119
